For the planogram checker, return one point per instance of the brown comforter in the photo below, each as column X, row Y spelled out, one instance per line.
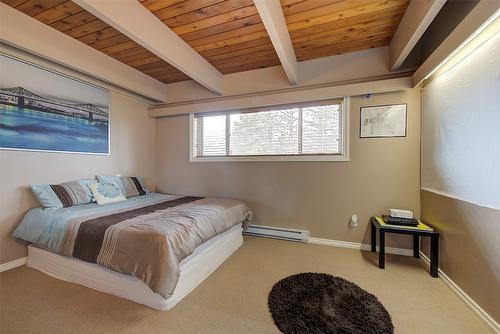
column 150, row 242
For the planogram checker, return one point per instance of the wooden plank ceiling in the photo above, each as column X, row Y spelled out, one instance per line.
column 74, row 21
column 322, row 28
column 227, row 33
column 230, row 33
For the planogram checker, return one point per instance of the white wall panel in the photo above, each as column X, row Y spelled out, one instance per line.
column 461, row 129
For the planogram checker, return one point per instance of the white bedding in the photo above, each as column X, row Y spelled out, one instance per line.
column 193, row 270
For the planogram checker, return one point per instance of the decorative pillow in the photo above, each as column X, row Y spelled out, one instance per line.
column 106, row 193
column 63, row 195
column 129, row 185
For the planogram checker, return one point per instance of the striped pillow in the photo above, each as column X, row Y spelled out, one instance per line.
column 129, row 185
column 63, row 195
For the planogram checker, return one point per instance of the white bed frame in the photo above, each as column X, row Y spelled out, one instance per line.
column 194, row 270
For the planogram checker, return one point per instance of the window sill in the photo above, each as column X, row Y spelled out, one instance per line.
column 310, row 158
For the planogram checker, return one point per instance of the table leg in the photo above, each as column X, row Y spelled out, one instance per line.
column 434, row 254
column 374, row 237
column 416, row 246
column 381, row 253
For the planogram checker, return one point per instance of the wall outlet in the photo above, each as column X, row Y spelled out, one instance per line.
column 354, row 221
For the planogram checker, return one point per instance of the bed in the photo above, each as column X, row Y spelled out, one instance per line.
column 151, row 249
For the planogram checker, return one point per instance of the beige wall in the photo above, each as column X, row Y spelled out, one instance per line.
column 361, row 66
column 132, row 153
column 316, row 196
column 469, row 246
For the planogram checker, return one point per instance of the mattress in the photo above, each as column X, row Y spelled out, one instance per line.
column 146, row 237
column 193, row 270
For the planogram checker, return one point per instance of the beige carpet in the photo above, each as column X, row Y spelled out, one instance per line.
column 234, row 298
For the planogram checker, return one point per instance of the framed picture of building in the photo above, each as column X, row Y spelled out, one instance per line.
column 383, row 121
column 43, row 110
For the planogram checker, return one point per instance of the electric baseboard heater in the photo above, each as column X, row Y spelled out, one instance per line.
column 277, row 233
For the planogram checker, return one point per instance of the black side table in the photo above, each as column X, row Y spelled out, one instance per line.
column 417, row 233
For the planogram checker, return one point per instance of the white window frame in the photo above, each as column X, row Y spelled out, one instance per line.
column 320, row 157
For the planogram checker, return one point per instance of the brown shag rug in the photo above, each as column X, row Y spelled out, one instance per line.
column 322, row 303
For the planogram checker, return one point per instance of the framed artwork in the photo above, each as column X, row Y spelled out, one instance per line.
column 383, row 121
column 42, row 110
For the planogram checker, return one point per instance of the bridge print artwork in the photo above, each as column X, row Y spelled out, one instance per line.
column 46, row 111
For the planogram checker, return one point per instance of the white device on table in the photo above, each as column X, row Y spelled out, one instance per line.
column 400, row 213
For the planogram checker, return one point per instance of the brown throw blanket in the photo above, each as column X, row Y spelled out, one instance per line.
column 150, row 242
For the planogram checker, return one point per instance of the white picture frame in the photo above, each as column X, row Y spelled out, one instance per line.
column 383, row 121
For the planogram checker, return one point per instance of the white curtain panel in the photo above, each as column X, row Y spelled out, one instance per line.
column 461, row 129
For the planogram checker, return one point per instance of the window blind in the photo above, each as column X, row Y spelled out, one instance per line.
column 288, row 130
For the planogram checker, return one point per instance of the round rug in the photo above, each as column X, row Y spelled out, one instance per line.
column 322, row 303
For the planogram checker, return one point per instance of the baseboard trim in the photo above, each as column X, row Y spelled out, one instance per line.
column 357, row 245
column 478, row 310
column 12, row 264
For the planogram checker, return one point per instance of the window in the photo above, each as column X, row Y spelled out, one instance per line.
column 307, row 131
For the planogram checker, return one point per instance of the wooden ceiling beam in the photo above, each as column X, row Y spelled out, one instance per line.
column 30, row 35
column 418, row 16
column 272, row 16
column 156, row 37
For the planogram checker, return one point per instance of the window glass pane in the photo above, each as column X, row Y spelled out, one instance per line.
column 213, row 134
column 302, row 130
column 264, row 133
column 321, row 130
